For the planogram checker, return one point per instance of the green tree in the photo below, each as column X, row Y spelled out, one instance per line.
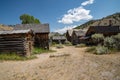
column 36, row 21
column 28, row 19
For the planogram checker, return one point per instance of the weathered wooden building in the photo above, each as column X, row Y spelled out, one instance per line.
column 18, row 41
column 59, row 39
column 107, row 27
column 104, row 26
column 41, row 31
column 69, row 34
column 105, row 30
column 76, row 35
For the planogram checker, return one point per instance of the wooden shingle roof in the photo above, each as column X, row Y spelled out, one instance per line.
column 58, row 38
column 80, row 33
column 103, row 29
column 15, row 32
column 37, row 28
column 71, row 31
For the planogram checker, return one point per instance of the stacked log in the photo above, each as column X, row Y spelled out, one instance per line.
column 18, row 42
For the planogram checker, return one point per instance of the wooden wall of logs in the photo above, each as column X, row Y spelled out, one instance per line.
column 21, row 43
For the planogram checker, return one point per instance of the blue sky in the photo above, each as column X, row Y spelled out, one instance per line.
column 60, row 14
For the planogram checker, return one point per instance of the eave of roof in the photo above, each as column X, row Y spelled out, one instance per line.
column 15, row 32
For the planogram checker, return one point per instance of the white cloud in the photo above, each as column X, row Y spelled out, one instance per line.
column 63, row 30
column 75, row 15
column 87, row 2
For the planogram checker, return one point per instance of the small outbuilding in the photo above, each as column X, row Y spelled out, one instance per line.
column 59, row 39
column 76, row 35
column 18, row 41
column 41, row 31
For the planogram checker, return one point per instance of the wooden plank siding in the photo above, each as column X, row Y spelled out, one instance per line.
column 105, row 30
column 42, row 40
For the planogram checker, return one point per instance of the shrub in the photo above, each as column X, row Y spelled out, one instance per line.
column 101, row 50
column 117, row 41
column 91, row 49
column 59, row 46
column 110, row 42
column 67, row 43
column 54, row 43
column 97, row 38
column 40, row 50
column 14, row 56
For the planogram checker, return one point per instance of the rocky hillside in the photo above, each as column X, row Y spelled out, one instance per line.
column 4, row 28
column 113, row 19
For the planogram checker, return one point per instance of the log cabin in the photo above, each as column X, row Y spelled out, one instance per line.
column 18, row 41
column 41, row 31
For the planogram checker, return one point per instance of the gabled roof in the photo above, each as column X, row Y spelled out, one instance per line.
column 51, row 34
column 58, row 38
column 15, row 32
column 80, row 32
column 71, row 31
column 37, row 28
column 102, row 29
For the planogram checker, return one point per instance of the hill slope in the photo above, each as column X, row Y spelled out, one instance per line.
column 114, row 18
column 4, row 28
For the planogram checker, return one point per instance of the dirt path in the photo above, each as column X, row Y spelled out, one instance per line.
column 77, row 66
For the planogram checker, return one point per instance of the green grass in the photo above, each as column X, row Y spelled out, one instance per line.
column 16, row 57
column 67, row 43
column 59, row 46
column 91, row 49
column 40, row 51
column 13, row 56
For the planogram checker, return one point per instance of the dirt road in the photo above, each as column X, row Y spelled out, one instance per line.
column 78, row 65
